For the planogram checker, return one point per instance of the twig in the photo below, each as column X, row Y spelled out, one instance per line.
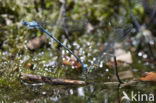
column 61, row 15
column 49, row 80
column 54, row 81
column 64, row 19
column 133, row 17
column 116, row 70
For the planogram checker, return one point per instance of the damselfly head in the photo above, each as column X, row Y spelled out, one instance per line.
column 32, row 24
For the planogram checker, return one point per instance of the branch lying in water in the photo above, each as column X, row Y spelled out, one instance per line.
column 50, row 80
column 54, row 81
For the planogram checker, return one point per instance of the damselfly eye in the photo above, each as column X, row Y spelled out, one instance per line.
column 24, row 22
column 30, row 25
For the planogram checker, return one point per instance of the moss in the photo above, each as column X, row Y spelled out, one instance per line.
column 14, row 55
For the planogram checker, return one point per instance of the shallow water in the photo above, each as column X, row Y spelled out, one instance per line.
column 16, row 58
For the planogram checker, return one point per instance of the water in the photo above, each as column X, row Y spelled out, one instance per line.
column 15, row 57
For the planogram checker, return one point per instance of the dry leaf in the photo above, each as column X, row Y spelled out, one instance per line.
column 150, row 76
column 122, row 55
column 71, row 61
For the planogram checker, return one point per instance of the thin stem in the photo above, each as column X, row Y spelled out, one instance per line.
column 63, row 19
column 115, row 67
column 116, row 70
column 133, row 17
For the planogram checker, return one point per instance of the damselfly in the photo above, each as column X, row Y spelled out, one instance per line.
column 35, row 24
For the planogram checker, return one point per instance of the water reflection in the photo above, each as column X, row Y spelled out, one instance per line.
column 93, row 93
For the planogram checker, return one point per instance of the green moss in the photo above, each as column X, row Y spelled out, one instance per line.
column 14, row 55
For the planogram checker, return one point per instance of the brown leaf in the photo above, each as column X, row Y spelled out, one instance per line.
column 71, row 61
column 29, row 65
column 124, row 56
column 150, row 76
